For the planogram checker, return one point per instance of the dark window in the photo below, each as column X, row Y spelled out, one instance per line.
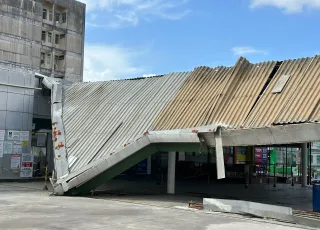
column 62, row 36
column 318, row 159
column 61, row 57
column 57, row 39
column 50, row 15
column 49, row 37
column 49, row 59
column 57, row 17
column 43, row 36
column 42, row 58
column 44, row 14
column 64, row 17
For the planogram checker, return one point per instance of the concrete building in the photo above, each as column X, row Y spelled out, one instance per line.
column 46, row 36
column 43, row 37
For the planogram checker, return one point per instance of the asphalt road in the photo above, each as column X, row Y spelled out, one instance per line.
column 29, row 208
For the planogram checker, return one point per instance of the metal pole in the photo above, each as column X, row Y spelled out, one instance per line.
column 286, row 161
column 292, row 183
column 45, row 178
column 304, row 170
column 274, row 176
column 310, row 163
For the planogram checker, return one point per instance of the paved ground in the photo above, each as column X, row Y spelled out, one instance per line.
column 26, row 206
column 283, row 194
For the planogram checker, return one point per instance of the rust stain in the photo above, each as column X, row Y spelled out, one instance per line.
column 61, row 145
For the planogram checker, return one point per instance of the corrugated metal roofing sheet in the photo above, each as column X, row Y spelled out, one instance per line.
column 296, row 101
column 100, row 117
column 216, row 96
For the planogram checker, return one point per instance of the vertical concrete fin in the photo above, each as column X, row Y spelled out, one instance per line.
column 61, row 165
column 219, row 155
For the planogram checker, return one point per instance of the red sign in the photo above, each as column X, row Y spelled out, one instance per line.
column 27, row 164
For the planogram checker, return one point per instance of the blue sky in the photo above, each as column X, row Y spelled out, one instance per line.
column 134, row 38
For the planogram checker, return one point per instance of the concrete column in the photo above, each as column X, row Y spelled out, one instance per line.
column 171, row 172
column 304, row 170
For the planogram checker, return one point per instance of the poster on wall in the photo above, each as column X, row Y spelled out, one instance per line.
column 15, row 161
column 2, row 134
column 26, row 165
column 7, row 147
column 1, row 148
column 41, row 139
column 27, row 157
column 241, row 156
column 17, row 147
column 13, row 135
column 24, row 135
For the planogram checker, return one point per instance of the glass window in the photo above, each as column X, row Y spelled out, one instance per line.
column 42, row 58
column 49, row 37
column 57, row 39
column 49, row 59
column 318, row 159
column 44, row 14
column 43, row 36
column 57, row 17
column 50, row 15
column 64, row 17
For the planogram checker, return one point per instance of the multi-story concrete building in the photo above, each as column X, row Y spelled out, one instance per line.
column 36, row 36
column 46, row 36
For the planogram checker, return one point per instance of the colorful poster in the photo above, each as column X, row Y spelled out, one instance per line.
column 13, row 135
column 26, row 165
column 17, row 147
column 241, row 155
column 2, row 134
column 7, row 147
column 1, row 148
column 24, row 135
column 15, row 161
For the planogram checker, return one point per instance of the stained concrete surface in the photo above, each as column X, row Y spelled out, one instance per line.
column 27, row 206
column 296, row 197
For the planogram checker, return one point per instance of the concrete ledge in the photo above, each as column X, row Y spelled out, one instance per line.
column 248, row 208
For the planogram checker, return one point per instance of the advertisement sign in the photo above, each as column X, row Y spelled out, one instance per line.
column 13, row 135
column 7, row 147
column 17, row 147
column 2, row 134
column 24, row 135
column 241, row 156
column 15, row 161
column 26, row 165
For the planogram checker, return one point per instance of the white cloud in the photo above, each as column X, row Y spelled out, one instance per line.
column 110, row 62
column 120, row 13
column 288, row 6
column 149, row 75
column 243, row 50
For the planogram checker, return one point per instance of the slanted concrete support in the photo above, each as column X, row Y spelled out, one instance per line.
column 171, row 172
column 304, row 167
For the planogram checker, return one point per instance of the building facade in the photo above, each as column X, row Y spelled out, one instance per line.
column 46, row 36
column 36, row 36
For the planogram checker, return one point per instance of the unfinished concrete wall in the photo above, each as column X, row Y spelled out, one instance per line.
column 21, row 35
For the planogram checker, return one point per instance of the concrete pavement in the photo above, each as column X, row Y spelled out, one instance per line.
column 26, row 206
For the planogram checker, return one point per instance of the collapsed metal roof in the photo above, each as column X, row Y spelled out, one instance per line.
column 104, row 123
